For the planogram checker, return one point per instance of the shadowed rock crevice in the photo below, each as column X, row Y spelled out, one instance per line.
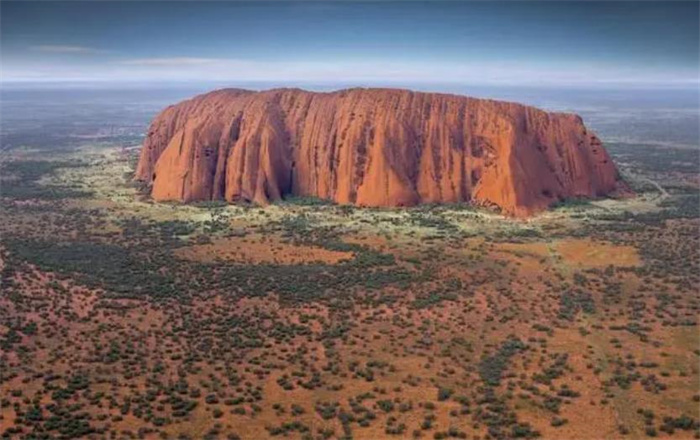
column 372, row 147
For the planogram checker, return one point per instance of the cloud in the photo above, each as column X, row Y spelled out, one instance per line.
column 368, row 72
column 174, row 61
column 381, row 71
column 66, row 49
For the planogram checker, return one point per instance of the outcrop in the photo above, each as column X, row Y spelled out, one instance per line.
column 372, row 147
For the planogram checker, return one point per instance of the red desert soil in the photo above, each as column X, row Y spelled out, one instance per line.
column 588, row 253
column 372, row 147
column 254, row 251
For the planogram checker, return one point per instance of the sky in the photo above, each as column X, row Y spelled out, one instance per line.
column 559, row 44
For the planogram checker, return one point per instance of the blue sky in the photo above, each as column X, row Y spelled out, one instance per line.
column 514, row 43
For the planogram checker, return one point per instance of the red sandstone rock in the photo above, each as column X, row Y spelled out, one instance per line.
column 372, row 147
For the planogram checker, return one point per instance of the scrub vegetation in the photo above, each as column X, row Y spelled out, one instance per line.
column 123, row 318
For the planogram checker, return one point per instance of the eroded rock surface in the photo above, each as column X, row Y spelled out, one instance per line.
column 372, row 147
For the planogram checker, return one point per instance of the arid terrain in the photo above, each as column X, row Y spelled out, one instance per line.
column 124, row 318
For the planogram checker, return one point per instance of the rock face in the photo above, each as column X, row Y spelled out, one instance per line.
column 372, row 147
